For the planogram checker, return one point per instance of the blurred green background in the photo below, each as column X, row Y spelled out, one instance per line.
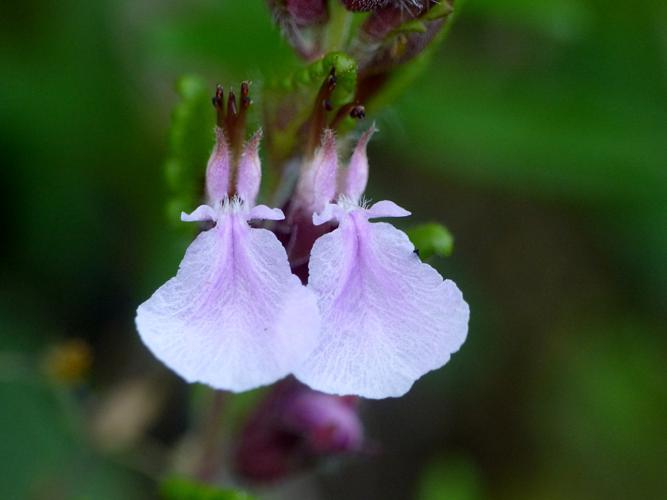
column 538, row 136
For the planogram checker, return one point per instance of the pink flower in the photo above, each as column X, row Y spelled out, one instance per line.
column 387, row 318
column 234, row 316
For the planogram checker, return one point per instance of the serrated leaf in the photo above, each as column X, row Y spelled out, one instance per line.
column 432, row 239
column 177, row 488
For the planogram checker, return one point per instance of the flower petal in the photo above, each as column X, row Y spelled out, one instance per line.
column 265, row 213
column 234, row 317
column 199, row 214
column 217, row 169
column 330, row 211
column 387, row 318
column 325, row 167
column 386, row 208
column 249, row 173
column 356, row 175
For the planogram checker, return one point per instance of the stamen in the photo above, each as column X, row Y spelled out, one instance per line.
column 245, row 99
column 232, row 112
column 218, row 103
column 322, row 106
column 351, row 109
column 232, row 117
column 233, row 122
column 358, row 112
column 244, row 104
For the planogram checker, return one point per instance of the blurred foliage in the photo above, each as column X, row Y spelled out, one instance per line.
column 450, row 479
column 600, row 427
column 190, row 143
column 43, row 454
column 538, row 133
column 175, row 488
column 432, row 239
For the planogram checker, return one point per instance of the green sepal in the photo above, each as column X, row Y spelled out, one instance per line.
column 413, row 26
column 438, row 11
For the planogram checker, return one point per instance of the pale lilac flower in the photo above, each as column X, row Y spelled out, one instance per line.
column 234, row 316
column 387, row 318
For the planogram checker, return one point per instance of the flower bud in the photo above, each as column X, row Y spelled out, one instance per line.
column 364, row 5
column 393, row 35
column 293, row 427
column 302, row 24
column 370, row 5
column 307, row 12
column 382, row 22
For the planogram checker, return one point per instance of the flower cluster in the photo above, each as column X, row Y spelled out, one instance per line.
column 319, row 291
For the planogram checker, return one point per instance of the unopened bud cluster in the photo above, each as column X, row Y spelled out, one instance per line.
column 393, row 32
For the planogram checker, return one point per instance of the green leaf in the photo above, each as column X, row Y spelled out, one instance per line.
column 190, row 142
column 432, row 239
column 598, row 405
column 177, row 488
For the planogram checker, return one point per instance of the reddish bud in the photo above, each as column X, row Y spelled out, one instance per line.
column 364, row 5
column 293, row 427
column 370, row 5
column 384, row 21
column 307, row 12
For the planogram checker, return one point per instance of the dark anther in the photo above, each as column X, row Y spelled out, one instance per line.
column 331, row 80
column 218, row 97
column 323, row 105
column 416, row 251
column 350, row 109
column 245, row 99
column 358, row 112
column 218, row 101
column 232, row 119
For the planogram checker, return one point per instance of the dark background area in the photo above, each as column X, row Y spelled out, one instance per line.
column 538, row 136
